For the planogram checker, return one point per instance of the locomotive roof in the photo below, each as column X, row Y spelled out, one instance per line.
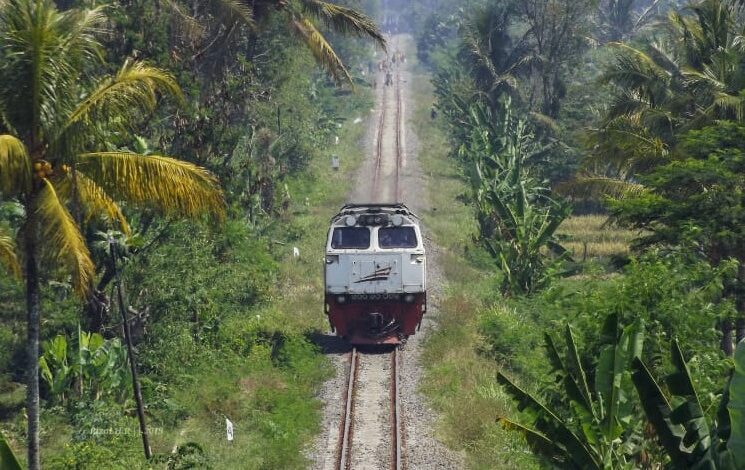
column 375, row 208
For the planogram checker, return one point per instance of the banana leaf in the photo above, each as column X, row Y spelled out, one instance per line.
column 537, row 441
column 576, row 370
column 574, row 392
column 658, row 410
column 551, row 425
column 689, row 413
column 8, row 460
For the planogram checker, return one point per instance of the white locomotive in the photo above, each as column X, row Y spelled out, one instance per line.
column 375, row 276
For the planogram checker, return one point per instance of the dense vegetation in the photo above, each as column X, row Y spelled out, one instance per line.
column 630, row 111
column 160, row 159
column 119, row 120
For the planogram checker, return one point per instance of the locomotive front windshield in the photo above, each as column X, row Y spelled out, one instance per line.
column 397, row 237
column 354, row 238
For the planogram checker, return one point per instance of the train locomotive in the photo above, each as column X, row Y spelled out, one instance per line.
column 375, row 274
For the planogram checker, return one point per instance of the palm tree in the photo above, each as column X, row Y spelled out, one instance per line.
column 302, row 18
column 59, row 123
column 690, row 79
column 497, row 62
column 620, row 19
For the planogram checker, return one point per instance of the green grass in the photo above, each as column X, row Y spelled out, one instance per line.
column 459, row 380
column 269, row 394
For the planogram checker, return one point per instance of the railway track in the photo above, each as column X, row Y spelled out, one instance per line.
column 386, row 184
column 345, row 448
column 380, row 156
column 398, row 135
column 379, row 144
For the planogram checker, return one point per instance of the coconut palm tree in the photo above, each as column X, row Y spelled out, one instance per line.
column 685, row 81
column 302, row 16
column 59, row 128
column 497, row 62
column 621, row 19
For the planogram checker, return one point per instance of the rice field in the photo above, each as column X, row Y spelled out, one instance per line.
column 591, row 236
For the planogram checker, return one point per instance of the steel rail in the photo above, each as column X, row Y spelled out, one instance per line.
column 345, row 436
column 379, row 146
column 398, row 135
column 397, row 460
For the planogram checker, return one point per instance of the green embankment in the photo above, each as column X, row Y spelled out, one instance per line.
column 231, row 335
column 459, row 381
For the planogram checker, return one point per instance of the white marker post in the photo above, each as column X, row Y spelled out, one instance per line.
column 229, row 429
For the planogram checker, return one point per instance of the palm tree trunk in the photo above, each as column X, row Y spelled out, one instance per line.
column 33, row 308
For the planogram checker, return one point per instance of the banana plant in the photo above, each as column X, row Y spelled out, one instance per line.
column 600, row 420
column 55, row 368
column 8, row 460
column 102, row 365
column 517, row 216
column 95, row 367
column 681, row 425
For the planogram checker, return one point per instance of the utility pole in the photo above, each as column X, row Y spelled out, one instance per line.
column 131, row 352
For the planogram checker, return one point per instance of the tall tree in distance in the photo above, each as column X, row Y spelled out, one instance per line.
column 302, row 17
column 497, row 61
column 619, row 20
column 60, row 127
column 557, row 31
column 685, row 80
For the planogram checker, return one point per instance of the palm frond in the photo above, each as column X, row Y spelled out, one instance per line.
column 8, row 257
column 322, row 50
column 186, row 24
column 596, row 187
column 92, row 198
column 728, row 103
column 236, row 10
column 61, row 238
column 15, row 166
column 344, row 19
column 635, row 70
column 133, row 89
column 169, row 185
column 82, row 28
column 44, row 50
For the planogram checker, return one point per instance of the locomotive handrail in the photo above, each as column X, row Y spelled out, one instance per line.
column 374, row 208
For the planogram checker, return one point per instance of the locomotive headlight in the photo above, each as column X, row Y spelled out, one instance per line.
column 341, row 299
column 409, row 298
